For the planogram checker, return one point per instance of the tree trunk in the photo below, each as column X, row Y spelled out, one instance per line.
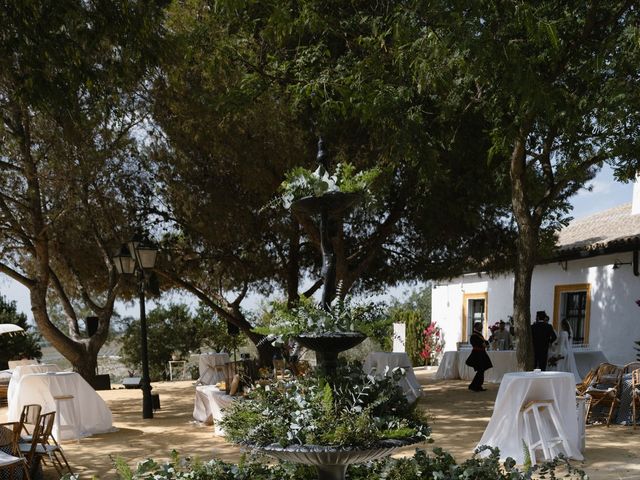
column 87, row 367
column 83, row 354
column 527, row 244
column 522, row 307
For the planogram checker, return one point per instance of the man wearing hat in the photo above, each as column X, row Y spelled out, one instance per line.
column 543, row 335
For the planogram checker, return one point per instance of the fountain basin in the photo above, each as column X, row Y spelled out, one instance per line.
column 332, row 462
column 334, row 203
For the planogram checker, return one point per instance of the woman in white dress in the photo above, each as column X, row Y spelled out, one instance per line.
column 564, row 350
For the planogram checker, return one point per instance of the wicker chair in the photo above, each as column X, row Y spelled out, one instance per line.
column 582, row 387
column 630, row 367
column 635, row 394
column 604, row 389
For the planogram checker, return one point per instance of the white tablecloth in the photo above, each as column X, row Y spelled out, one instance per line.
column 504, row 361
column 91, row 412
column 207, row 364
column 453, row 364
column 448, row 368
column 23, row 370
column 506, row 427
column 209, row 405
column 381, row 360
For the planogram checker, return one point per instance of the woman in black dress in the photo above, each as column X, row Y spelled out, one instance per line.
column 478, row 360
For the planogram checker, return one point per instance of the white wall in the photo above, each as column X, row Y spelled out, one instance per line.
column 614, row 320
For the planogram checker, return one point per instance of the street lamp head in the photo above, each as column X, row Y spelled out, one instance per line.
column 124, row 262
column 143, row 251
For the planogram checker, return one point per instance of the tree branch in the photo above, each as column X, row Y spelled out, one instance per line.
column 18, row 277
column 72, row 318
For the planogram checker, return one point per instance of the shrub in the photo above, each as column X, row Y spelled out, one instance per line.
column 440, row 465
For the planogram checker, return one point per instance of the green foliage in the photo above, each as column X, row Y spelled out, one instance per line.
column 415, row 324
column 16, row 347
column 348, row 409
column 421, row 466
column 301, row 182
column 174, row 330
column 308, row 317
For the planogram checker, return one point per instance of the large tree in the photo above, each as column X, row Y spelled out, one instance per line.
column 70, row 74
column 559, row 85
column 248, row 89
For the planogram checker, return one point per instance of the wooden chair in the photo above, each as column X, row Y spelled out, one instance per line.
column 10, row 436
column 604, row 389
column 582, row 387
column 630, row 367
column 46, row 446
column 635, row 394
column 30, row 415
column 4, row 388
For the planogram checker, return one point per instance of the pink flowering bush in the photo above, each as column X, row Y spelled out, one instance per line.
column 432, row 344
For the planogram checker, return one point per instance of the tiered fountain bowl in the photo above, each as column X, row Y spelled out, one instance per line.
column 332, row 462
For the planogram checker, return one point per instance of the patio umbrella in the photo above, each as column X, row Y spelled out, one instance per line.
column 11, row 329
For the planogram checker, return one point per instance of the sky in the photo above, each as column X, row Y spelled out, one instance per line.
column 605, row 193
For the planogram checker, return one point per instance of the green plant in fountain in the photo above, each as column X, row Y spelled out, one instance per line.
column 301, row 182
column 351, row 409
column 439, row 465
column 307, row 317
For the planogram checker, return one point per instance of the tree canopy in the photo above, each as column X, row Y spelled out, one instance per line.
column 70, row 80
column 246, row 91
column 558, row 85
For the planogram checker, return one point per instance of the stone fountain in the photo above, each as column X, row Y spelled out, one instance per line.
column 331, row 462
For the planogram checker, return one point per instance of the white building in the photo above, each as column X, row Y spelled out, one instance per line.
column 593, row 282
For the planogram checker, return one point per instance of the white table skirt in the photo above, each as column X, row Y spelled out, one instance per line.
column 506, row 427
column 209, row 405
column 207, row 363
column 379, row 361
column 452, row 366
column 448, row 368
column 504, row 361
column 90, row 411
column 22, row 370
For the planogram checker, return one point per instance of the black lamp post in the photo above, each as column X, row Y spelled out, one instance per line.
column 138, row 257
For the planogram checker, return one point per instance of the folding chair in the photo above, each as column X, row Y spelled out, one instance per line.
column 30, row 415
column 46, row 446
column 9, row 437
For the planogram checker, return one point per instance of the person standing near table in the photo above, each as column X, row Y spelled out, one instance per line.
column 543, row 335
column 502, row 337
column 478, row 359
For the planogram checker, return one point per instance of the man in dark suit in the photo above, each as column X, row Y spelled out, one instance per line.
column 543, row 336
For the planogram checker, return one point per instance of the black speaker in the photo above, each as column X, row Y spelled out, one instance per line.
column 132, row 382
column 232, row 329
column 102, row 382
column 155, row 401
column 92, row 325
